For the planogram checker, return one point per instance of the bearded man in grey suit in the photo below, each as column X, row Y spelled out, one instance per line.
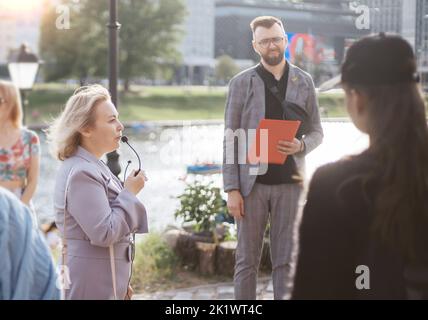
column 257, row 193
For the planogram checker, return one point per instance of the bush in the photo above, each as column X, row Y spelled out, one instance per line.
column 201, row 204
column 154, row 262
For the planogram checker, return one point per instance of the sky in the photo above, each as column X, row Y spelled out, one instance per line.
column 20, row 6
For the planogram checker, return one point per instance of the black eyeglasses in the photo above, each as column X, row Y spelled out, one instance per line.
column 266, row 42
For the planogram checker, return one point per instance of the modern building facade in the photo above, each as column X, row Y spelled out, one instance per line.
column 317, row 31
column 197, row 48
column 409, row 18
column 421, row 38
column 385, row 15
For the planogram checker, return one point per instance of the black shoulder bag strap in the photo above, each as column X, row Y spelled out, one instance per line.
column 291, row 110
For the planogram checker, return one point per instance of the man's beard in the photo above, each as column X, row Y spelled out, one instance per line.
column 273, row 60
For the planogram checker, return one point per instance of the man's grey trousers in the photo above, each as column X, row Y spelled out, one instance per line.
column 279, row 204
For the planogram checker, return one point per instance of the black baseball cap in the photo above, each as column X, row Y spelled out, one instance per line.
column 377, row 60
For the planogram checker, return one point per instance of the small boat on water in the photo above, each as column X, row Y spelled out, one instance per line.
column 206, row 168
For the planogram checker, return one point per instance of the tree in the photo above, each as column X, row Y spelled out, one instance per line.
column 58, row 55
column 225, row 68
column 80, row 49
column 147, row 38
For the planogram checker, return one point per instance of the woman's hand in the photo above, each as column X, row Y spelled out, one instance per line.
column 135, row 184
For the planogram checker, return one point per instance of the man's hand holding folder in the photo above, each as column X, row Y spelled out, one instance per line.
column 289, row 148
column 281, row 143
column 275, row 140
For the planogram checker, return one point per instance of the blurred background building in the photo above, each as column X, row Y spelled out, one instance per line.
column 408, row 18
column 17, row 29
column 386, row 15
column 319, row 32
column 197, row 47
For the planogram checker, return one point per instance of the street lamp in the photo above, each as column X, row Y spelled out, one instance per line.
column 23, row 66
column 113, row 30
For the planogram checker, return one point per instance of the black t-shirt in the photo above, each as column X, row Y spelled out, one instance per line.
column 276, row 174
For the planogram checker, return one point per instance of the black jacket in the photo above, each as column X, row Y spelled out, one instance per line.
column 335, row 238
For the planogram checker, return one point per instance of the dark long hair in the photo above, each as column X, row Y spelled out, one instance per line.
column 399, row 143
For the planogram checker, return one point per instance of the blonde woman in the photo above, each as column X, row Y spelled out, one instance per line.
column 19, row 147
column 95, row 213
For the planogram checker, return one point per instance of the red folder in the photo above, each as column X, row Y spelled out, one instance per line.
column 277, row 130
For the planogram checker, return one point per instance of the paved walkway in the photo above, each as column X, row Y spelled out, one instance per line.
column 219, row 291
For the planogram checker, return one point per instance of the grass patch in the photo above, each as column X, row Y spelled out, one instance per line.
column 172, row 104
column 46, row 101
column 157, row 268
column 154, row 262
column 332, row 105
column 145, row 103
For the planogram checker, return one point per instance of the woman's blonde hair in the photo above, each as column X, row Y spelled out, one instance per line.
column 10, row 93
column 63, row 134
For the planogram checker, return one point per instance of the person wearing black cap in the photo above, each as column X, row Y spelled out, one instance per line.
column 362, row 234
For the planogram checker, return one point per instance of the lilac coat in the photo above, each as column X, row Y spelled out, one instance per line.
column 99, row 212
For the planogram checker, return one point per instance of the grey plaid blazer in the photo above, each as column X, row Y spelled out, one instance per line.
column 245, row 107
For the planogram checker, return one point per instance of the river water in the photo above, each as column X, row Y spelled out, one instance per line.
column 165, row 152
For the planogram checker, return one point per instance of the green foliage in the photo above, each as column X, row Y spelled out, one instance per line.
column 231, row 232
column 142, row 104
column 81, row 50
column 148, row 36
column 200, row 203
column 154, row 261
column 225, row 68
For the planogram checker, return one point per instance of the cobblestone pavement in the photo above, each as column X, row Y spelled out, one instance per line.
column 219, row 291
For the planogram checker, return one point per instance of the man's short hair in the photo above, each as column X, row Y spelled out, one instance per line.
column 266, row 22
